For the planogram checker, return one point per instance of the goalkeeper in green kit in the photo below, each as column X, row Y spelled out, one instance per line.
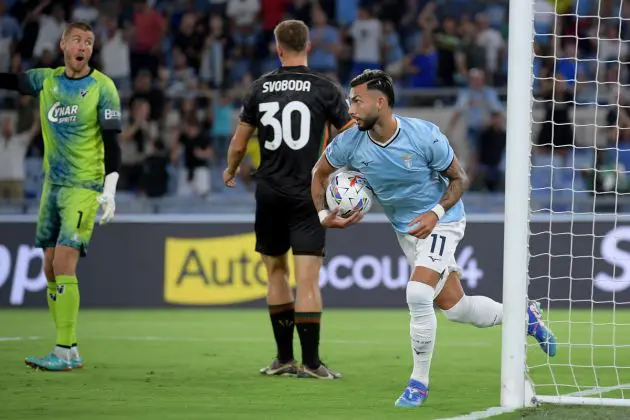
column 80, row 119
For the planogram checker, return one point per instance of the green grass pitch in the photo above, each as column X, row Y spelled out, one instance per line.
column 203, row 364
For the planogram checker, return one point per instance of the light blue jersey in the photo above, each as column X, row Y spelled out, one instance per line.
column 404, row 172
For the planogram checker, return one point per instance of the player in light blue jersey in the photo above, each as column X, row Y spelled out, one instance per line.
column 419, row 182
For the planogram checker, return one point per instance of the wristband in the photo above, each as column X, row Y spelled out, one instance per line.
column 109, row 188
column 439, row 211
column 323, row 214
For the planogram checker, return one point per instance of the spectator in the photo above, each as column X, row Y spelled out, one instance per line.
column 10, row 34
column 149, row 28
column 492, row 147
column 222, row 126
column 273, row 12
column 190, row 40
column 367, row 34
column 28, row 17
column 347, row 11
column 194, row 177
column 556, row 132
column 300, row 10
column 155, row 170
column 567, row 63
column 50, row 30
column 216, row 7
column 214, row 52
column 144, row 89
column 13, row 149
column 182, row 78
column 475, row 103
column 447, row 43
column 115, row 54
column 243, row 12
column 86, row 12
column 471, row 55
column 392, row 50
column 134, row 140
column 188, row 110
column 423, row 64
column 47, row 57
column 492, row 42
column 324, row 44
column 239, row 67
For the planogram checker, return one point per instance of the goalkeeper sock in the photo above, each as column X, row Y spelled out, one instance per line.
column 283, row 324
column 308, row 327
column 67, row 310
column 480, row 311
column 51, row 297
column 423, row 327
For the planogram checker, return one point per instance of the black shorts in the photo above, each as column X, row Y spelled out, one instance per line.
column 284, row 222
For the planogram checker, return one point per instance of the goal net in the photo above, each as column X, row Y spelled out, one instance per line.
column 574, row 192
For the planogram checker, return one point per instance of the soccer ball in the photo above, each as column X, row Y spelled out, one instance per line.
column 349, row 190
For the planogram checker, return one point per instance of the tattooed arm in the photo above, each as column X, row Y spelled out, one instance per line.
column 458, row 184
column 423, row 225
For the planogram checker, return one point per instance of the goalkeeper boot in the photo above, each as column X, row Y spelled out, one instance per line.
column 321, row 372
column 50, row 363
column 414, row 395
column 75, row 359
column 278, row 368
column 537, row 329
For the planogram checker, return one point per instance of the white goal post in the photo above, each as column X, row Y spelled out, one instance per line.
column 558, row 253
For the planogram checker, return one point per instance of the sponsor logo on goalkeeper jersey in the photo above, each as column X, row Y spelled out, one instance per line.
column 61, row 114
column 22, row 274
column 221, row 270
column 111, row 114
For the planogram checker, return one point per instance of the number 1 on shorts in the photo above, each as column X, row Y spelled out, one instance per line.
column 433, row 243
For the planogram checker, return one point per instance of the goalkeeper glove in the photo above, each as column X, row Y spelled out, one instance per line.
column 106, row 200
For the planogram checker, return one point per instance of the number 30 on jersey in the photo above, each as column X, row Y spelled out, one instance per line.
column 282, row 127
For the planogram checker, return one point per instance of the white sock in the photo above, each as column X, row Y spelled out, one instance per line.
column 422, row 328
column 63, row 352
column 75, row 351
column 481, row 311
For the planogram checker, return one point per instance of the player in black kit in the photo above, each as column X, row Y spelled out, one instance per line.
column 292, row 108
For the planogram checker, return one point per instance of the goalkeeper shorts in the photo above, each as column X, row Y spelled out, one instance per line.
column 66, row 217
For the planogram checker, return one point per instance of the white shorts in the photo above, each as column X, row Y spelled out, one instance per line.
column 436, row 251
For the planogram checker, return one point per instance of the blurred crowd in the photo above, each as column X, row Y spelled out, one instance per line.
column 182, row 66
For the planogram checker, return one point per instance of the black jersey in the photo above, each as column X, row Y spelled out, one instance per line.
column 292, row 108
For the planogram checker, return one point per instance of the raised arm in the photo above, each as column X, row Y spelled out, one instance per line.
column 29, row 83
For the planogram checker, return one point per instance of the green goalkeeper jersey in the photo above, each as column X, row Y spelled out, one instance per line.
column 73, row 114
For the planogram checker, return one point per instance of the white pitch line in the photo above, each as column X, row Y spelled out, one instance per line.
column 597, row 390
column 20, row 338
column 495, row 411
column 477, row 415
column 234, row 340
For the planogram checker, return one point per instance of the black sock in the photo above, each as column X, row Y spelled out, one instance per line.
column 282, row 321
column 307, row 324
